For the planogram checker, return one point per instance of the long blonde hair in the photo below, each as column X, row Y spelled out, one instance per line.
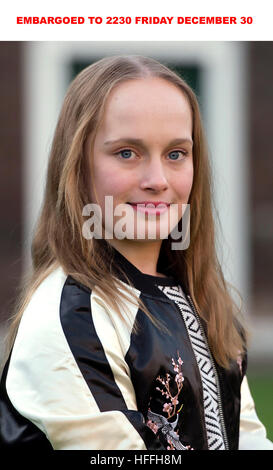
column 58, row 237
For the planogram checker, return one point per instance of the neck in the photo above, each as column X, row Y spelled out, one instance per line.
column 143, row 256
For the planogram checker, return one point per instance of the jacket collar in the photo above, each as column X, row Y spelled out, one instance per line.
column 145, row 283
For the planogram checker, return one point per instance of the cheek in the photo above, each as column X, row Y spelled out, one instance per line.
column 183, row 184
column 109, row 181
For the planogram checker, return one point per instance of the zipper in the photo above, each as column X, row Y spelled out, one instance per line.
column 181, row 316
column 222, row 420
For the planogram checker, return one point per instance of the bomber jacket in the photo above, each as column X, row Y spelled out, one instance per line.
column 80, row 377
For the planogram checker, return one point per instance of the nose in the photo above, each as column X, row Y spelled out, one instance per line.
column 153, row 176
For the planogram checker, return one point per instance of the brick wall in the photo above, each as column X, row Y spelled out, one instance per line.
column 261, row 173
column 11, row 172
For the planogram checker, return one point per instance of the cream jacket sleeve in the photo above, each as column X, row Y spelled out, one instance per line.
column 252, row 432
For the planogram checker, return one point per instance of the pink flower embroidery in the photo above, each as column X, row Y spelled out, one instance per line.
column 157, row 422
column 167, row 407
column 170, row 408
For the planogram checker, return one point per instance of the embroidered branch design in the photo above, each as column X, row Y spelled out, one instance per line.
column 170, row 406
column 159, row 424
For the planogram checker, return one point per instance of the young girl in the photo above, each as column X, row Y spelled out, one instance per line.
column 127, row 339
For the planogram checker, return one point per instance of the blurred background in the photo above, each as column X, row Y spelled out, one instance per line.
column 234, row 85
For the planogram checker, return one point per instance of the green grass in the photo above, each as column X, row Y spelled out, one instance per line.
column 261, row 388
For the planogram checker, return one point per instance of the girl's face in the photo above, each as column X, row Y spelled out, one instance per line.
column 143, row 154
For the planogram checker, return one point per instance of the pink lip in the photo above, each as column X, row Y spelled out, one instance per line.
column 154, row 209
column 155, row 203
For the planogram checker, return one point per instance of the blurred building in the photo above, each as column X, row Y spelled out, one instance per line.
column 233, row 82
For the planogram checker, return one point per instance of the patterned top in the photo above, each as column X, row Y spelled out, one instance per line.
column 203, row 358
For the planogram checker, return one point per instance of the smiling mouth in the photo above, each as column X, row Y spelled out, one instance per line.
column 153, row 208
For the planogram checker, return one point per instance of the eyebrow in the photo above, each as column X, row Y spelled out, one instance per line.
column 140, row 142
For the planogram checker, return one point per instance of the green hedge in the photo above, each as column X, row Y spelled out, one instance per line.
column 261, row 388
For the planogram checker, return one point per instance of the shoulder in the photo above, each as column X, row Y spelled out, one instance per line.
column 44, row 340
column 55, row 346
column 66, row 334
column 39, row 337
column 64, row 321
column 39, row 321
column 58, row 307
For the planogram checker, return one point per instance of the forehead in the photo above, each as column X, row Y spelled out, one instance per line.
column 147, row 99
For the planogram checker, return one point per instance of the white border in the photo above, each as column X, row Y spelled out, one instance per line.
column 260, row 29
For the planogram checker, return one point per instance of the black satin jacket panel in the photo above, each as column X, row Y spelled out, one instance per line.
column 153, row 357
column 150, row 356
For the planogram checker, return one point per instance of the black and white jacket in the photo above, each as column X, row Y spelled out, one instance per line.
column 78, row 377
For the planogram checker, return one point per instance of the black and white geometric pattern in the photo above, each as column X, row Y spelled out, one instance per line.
column 211, row 405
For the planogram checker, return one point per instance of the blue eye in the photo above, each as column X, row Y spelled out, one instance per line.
column 175, row 154
column 127, row 153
